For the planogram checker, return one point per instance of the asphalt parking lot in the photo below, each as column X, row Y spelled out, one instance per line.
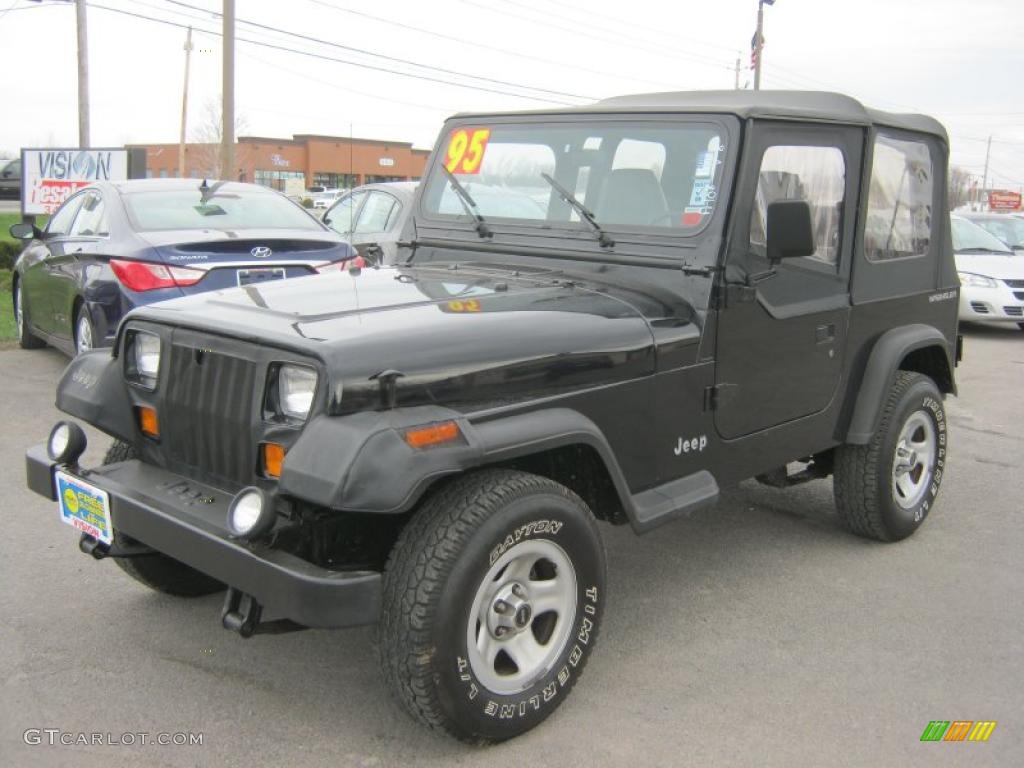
column 757, row 633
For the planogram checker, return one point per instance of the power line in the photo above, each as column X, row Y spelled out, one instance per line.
column 623, row 22
column 395, row 59
column 323, row 57
column 610, row 36
column 484, row 46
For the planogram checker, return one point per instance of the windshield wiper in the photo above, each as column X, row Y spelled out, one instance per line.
column 468, row 204
column 602, row 237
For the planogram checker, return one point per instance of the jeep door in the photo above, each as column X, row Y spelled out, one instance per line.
column 782, row 331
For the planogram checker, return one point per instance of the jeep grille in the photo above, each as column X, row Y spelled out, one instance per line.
column 209, row 405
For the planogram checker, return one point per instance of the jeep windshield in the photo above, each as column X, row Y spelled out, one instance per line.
column 648, row 176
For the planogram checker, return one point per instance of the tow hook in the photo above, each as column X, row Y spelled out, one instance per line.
column 242, row 614
column 99, row 550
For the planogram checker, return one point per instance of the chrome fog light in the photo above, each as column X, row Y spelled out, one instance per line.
column 251, row 513
column 66, row 442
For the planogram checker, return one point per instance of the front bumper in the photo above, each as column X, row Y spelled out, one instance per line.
column 186, row 520
column 998, row 304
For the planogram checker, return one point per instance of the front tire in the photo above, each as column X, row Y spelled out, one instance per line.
column 884, row 490
column 157, row 571
column 493, row 596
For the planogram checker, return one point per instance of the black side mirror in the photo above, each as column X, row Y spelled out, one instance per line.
column 789, row 231
column 23, row 231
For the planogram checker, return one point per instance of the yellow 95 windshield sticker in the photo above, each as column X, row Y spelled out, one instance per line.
column 466, row 149
column 467, row 305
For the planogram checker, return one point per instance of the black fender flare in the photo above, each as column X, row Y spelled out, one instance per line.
column 890, row 349
column 361, row 463
column 92, row 388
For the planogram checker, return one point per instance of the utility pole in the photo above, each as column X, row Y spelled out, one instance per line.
column 227, row 137
column 184, row 106
column 736, row 86
column 984, row 179
column 83, row 75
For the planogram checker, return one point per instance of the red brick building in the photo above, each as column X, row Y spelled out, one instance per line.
column 329, row 161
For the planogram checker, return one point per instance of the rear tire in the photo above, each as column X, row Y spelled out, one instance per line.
column 26, row 339
column 884, row 490
column 85, row 332
column 493, row 596
column 157, row 571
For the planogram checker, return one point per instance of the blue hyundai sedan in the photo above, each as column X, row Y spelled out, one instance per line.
column 113, row 246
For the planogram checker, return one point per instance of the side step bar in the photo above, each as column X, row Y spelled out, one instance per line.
column 673, row 500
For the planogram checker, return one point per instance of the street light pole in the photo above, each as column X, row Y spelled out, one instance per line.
column 83, row 75
column 227, row 137
column 184, row 107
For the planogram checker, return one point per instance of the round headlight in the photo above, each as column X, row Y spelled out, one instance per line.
column 251, row 513
column 66, row 443
column 296, row 385
column 146, row 352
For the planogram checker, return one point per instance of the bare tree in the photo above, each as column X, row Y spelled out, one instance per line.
column 959, row 186
column 203, row 154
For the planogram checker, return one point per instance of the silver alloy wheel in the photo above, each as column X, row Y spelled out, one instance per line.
column 914, row 460
column 19, row 314
column 83, row 334
column 522, row 616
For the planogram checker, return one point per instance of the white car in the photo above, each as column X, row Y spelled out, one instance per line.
column 325, row 199
column 991, row 275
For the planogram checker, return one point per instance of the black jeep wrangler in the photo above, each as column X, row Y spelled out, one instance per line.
column 598, row 314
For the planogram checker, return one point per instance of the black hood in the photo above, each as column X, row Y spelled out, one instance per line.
column 456, row 336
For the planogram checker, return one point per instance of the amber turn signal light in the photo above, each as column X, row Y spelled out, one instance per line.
column 273, row 459
column 433, row 434
column 148, row 422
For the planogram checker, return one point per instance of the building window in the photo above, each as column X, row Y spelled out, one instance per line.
column 163, row 173
column 277, row 179
column 380, row 179
column 335, row 180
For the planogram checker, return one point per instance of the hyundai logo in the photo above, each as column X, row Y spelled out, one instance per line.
column 261, row 251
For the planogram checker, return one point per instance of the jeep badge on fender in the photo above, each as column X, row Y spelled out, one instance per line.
column 597, row 316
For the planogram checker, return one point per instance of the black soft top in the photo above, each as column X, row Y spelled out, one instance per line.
column 819, row 106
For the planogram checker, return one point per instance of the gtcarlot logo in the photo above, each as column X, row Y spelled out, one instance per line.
column 57, row 737
column 958, row 730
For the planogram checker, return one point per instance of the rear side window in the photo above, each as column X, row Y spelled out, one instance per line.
column 899, row 216
column 60, row 224
column 92, row 219
column 816, row 175
column 375, row 213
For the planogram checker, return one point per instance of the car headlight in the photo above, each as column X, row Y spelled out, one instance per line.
column 296, row 385
column 978, row 281
column 142, row 361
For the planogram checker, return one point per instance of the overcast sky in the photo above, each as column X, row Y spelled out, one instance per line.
column 961, row 61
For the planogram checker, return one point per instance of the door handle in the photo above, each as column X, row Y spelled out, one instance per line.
column 825, row 333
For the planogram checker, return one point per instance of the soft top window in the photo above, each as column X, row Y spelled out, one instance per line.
column 899, row 216
column 657, row 175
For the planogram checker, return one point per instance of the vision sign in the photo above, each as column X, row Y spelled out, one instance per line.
column 50, row 176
